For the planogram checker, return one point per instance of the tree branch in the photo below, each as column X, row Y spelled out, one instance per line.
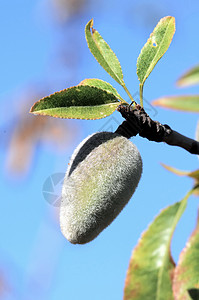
column 177, row 139
column 139, row 122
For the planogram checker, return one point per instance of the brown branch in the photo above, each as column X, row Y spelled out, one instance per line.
column 177, row 139
column 139, row 122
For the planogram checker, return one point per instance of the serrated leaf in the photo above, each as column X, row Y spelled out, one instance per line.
column 79, row 102
column 188, row 103
column 191, row 77
column 103, row 53
column 186, row 275
column 155, row 47
column 102, row 85
column 151, row 266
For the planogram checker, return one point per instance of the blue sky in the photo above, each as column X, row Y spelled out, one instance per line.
column 36, row 260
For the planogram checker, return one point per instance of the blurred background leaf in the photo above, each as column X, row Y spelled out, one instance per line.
column 189, row 103
column 191, row 77
column 194, row 174
column 186, row 275
column 43, row 51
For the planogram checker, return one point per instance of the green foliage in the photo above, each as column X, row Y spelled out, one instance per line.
column 150, row 271
column 95, row 98
column 155, row 47
column 185, row 103
column 80, row 102
column 103, row 53
column 100, row 84
column 102, row 176
column 186, row 275
column 191, row 77
column 189, row 103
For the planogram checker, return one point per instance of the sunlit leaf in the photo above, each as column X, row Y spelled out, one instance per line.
column 185, row 103
column 79, row 102
column 103, row 53
column 151, row 266
column 191, row 77
column 155, row 47
column 186, row 275
column 102, row 85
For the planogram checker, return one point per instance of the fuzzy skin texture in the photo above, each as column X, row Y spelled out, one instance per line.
column 103, row 174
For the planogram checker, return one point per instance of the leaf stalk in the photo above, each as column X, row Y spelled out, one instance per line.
column 129, row 94
column 141, row 94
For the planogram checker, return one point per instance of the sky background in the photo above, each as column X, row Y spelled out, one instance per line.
column 43, row 50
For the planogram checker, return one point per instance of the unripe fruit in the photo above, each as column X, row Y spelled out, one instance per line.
column 103, row 174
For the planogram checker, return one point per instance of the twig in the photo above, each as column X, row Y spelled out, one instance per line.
column 139, row 122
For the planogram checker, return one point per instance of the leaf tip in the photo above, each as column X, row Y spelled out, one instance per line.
column 31, row 111
column 89, row 25
column 172, row 19
column 155, row 102
column 169, row 17
column 178, row 83
column 160, row 102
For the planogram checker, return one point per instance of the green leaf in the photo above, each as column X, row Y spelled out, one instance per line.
column 186, row 275
column 103, row 53
column 155, row 47
column 185, row 103
column 102, row 85
column 191, row 77
column 151, row 266
column 79, row 102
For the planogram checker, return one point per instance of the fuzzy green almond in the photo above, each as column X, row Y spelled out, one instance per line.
column 103, row 174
